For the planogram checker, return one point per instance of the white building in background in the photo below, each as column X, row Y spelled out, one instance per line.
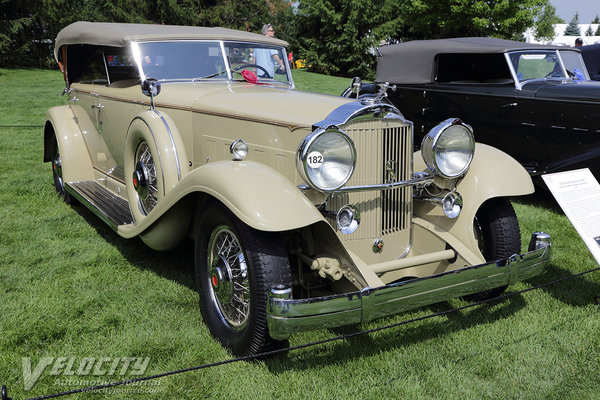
column 559, row 35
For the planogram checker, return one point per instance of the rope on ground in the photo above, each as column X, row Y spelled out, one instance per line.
column 302, row 346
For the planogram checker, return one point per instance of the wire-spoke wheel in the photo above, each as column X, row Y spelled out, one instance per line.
column 144, row 178
column 498, row 235
column 236, row 267
column 228, row 276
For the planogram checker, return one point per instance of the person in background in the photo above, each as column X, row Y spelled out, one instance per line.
column 268, row 59
column 578, row 42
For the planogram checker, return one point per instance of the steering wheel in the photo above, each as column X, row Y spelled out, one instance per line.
column 263, row 70
column 553, row 74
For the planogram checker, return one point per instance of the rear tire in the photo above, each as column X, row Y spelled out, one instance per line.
column 57, row 176
column 497, row 231
column 236, row 267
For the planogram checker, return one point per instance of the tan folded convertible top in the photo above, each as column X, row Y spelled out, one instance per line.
column 115, row 34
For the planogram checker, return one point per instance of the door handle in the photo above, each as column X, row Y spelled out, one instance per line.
column 97, row 106
column 511, row 105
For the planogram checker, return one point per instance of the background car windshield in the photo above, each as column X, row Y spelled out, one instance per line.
column 182, row 60
column 574, row 64
column 536, row 65
column 546, row 64
column 267, row 62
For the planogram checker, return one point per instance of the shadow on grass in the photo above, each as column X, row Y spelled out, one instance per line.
column 576, row 292
column 399, row 336
column 540, row 198
column 176, row 265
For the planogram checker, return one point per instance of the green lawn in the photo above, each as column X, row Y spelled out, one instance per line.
column 71, row 287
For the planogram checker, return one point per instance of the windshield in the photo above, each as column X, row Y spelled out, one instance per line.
column 268, row 63
column 561, row 64
column 205, row 60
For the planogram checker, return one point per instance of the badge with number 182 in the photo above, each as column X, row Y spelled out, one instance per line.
column 315, row 160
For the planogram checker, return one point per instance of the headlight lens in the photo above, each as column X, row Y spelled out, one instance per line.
column 326, row 159
column 448, row 148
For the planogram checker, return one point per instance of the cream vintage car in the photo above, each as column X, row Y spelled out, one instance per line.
column 308, row 211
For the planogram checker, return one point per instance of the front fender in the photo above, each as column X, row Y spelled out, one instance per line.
column 492, row 173
column 258, row 195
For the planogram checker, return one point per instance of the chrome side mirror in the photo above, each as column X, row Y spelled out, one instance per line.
column 151, row 88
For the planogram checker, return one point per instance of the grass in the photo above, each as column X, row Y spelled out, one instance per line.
column 69, row 286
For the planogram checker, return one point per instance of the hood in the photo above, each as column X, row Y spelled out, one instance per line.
column 262, row 103
column 584, row 91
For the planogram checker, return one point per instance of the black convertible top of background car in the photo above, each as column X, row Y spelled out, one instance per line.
column 414, row 61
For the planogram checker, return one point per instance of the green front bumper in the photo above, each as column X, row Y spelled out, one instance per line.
column 286, row 316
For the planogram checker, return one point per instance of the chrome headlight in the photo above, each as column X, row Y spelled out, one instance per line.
column 448, row 148
column 326, row 159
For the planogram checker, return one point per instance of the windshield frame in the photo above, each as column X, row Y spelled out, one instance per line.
column 519, row 83
column 137, row 56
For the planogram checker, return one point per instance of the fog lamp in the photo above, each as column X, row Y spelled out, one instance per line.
column 452, row 204
column 348, row 219
column 239, row 150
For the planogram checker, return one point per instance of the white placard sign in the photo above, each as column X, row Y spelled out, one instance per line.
column 578, row 194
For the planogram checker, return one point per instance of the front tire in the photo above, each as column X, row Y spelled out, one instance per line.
column 498, row 234
column 236, row 267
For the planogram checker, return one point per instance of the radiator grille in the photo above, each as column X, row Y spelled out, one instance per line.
column 384, row 154
column 395, row 203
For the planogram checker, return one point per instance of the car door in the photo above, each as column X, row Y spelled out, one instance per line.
column 88, row 77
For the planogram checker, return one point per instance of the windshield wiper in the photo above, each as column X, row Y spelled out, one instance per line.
column 209, row 76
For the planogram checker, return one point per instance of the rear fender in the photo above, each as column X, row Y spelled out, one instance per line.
column 61, row 124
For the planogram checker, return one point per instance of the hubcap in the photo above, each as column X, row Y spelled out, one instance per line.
column 228, row 277
column 144, row 178
column 140, row 180
column 222, row 280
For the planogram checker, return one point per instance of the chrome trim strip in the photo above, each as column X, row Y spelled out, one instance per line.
column 225, row 60
column 418, row 181
column 172, row 143
column 106, row 68
column 518, row 84
column 286, row 316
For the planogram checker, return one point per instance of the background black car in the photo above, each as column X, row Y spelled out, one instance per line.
column 591, row 56
column 534, row 102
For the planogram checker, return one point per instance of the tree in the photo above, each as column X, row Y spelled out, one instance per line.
column 596, row 20
column 544, row 24
column 573, row 27
column 28, row 27
column 589, row 31
column 335, row 36
column 431, row 19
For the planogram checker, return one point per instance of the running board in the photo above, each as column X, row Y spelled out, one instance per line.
column 106, row 205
